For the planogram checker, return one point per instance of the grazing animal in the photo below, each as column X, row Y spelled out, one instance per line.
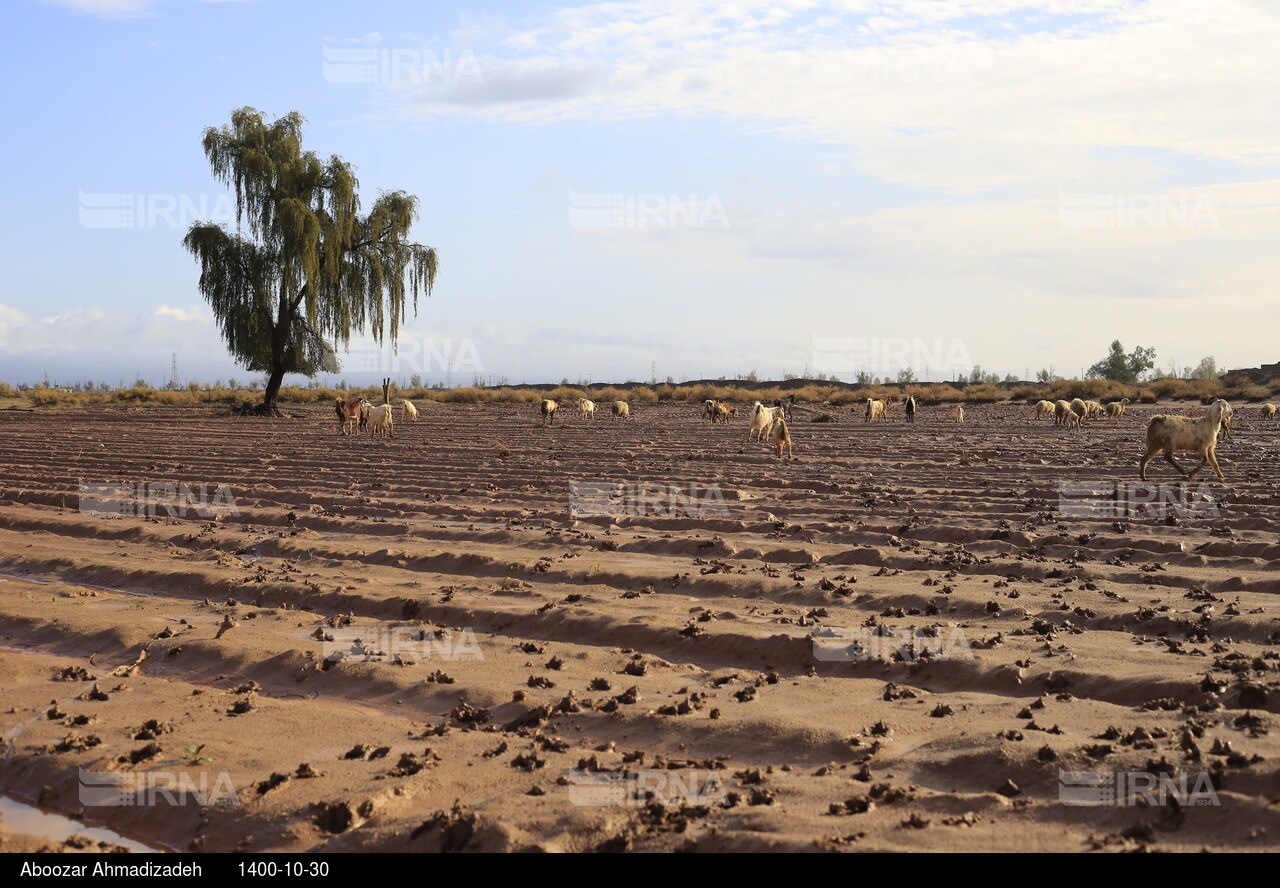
column 1072, row 420
column 410, row 411
column 722, row 412
column 709, row 410
column 780, row 437
column 1078, row 406
column 1115, row 409
column 762, row 419
column 1226, row 421
column 1093, row 408
column 621, row 408
column 380, row 421
column 1269, row 411
column 1060, row 410
column 911, row 408
column 875, row 410
column 959, row 413
column 787, row 404
column 1044, row 408
column 1181, row 434
column 549, row 409
column 586, row 408
column 349, row 414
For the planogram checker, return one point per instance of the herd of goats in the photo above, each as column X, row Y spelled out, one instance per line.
column 1167, row 434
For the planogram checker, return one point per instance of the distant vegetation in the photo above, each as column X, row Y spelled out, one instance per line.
column 814, row 394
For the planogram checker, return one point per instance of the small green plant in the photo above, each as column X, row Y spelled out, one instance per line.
column 822, row 417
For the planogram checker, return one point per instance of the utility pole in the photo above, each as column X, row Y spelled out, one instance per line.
column 173, row 371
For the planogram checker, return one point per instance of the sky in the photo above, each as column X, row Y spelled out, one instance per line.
column 670, row 188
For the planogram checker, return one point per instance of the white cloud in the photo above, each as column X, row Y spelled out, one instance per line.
column 197, row 313
column 117, row 9
column 933, row 94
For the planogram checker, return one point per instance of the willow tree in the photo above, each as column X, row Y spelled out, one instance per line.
column 304, row 269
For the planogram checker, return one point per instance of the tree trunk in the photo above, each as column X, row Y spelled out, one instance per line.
column 273, row 388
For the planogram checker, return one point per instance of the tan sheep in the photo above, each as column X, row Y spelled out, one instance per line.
column 1072, row 420
column 549, row 408
column 1044, row 408
column 876, row 410
column 1115, row 409
column 1269, row 411
column 621, row 408
column 1078, row 407
column 958, row 413
column 1060, row 410
column 410, row 411
column 586, row 408
column 1182, row 434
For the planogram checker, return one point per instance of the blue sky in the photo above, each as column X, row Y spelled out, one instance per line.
column 700, row 187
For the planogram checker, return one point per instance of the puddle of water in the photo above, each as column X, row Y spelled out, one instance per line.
column 10, row 578
column 28, row 820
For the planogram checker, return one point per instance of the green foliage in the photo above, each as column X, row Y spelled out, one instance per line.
column 312, row 268
column 1119, row 367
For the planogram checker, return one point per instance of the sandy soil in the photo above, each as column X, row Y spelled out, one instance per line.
column 896, row 641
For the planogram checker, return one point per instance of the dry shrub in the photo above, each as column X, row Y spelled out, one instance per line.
column 937, row 393
column 47, row 397
column 563, row 395
column 983, row 394
column 644, row 395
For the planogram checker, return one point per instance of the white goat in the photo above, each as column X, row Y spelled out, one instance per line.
column 380, row 421
column 410, row 411
column 762, row 418
column 586, row 408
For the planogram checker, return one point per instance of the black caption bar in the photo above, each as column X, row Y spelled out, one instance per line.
column 175, row 868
